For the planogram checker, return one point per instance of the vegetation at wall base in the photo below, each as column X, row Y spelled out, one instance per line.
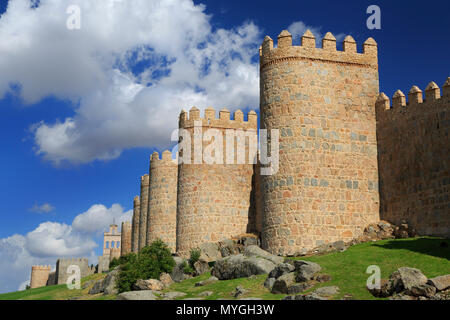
column 148, row 264
column 347, row 270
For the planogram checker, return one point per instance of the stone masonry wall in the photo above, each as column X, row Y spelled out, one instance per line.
column 213, row 200
column 114, row 253
column 162, row 217
column 135, row 225
column 39, row 276
column 414, row 159
column 51, row 279
column 103, row 264
column 143, row 211
column 125, row 239
column 62, row 268
column 255, row 218
column 322, row 102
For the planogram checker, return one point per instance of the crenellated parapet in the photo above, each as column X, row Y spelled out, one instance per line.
column 413, row 152
column 416, row 100
column 321, row 101
column 69, row 261
column 223, row 121
column 348, row 156
column 41, row 267
column 165, row 160
column 213, row 197
column 307, row 51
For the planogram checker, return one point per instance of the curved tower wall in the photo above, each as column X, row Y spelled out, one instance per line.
column 114, row 253
column 143, row 211
column 213, row 199
column 39, row 276
column 135, row 225
column 162, row 217
column 125, row 241
column 322, row 101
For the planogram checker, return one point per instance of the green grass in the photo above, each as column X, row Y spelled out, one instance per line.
column 57, row 292
column 347, row 269
column 224, row 289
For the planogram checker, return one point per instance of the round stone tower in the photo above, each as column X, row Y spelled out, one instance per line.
column 135, row 225
column 162, row 214
column 145, row 180
column 322, row 101
column 39, row 276
column 125, row 238
column 214, row 183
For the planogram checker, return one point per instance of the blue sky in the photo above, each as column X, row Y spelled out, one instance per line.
column 103, row 162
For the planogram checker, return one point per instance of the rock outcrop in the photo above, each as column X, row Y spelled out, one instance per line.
column 150, row 284
column 107, row 286
column 292, row 278
column 254, row 261
column 137, row 295
column 412, row 284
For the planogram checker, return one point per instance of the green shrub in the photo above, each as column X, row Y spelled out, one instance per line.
column 148, row 264
column 122, row 260
column 194, row 257
column 113, row 263
column 187, row 269
column 125, row 259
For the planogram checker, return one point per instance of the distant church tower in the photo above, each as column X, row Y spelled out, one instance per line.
column 112, row 242
column 111, row 247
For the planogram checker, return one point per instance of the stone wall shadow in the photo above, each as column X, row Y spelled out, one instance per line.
column 437, row 247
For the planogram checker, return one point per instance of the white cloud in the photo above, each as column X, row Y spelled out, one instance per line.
column 99, row 217
column 44, row 208
column 56, row 239
column 182, row 62
column 51, row 240
column 298, row 28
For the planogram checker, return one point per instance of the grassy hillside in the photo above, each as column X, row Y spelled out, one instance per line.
column 348, row 271
column 58, row 292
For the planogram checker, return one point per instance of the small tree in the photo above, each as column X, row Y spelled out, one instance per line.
column 148, row 264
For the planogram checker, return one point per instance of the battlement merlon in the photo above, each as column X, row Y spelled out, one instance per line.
column 165, row 160
column 415, row 100
column 308, row 51
column 137, row 201
column 145, row 180
column 415, row 96
column 71, row 260
column 126, row 224
column 223, row 122
column 41, row 268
